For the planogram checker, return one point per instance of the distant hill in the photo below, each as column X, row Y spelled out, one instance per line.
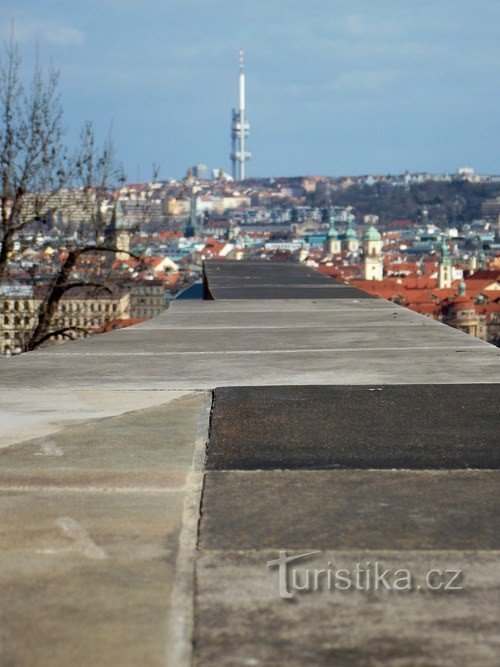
column 452, row 203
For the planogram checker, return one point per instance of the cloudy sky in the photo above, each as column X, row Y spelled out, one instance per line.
column 333, row 86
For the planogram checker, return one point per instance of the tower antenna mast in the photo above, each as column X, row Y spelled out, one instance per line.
column 240, row 128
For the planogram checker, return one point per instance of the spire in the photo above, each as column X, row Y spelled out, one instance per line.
column 445, row 254
column 350, row 232
column 332, row 232
column 119, row 231
column 445, row 268
column 118, row 218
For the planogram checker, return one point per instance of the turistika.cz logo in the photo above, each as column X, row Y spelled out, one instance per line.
column 369, row 576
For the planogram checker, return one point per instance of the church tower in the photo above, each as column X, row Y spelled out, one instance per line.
column 373, row 261
column 444, row 278
column 333, row 246
column 351, row 238
column 118, row 232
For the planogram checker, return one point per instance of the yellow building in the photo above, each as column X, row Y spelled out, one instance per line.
column 78, row 309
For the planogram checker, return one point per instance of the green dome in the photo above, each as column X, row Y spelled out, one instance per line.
column 372, row 234
column 332, row 233
column 350, row 233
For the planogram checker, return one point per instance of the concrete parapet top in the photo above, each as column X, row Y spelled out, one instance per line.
column 103, row 450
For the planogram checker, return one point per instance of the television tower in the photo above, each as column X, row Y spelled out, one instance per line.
column 240, row 128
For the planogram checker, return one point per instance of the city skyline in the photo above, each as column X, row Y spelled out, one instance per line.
column 331, row 89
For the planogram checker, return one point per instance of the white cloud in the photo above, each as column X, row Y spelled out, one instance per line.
column 64, row 35
column 52, row 32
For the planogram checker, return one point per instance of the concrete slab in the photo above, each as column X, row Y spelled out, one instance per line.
column 291, row 292
column 243, row 621
column 191, row 370
column 270, row 280
column 99, row 532
column 413, row 426
column 28, row 414
column 351, row 509
column 356, row 314
column 219, row 340
column 255, row 270
column 101, row 521
column 282, row 305
column 87, row 578
column 266, row 320
column 150, row 448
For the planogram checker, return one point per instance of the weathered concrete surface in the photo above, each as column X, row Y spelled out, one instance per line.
column 351, row 509
column 272, row 291
column 32, row 413
column 281, row 319
column 95, row 523
column 282, row 305
column 250, row 280
column 201, row 357
column 101, row 517
column 243, row 272
column 86, row 578
column 146, row 448
column 389, row 426
column 243, row 621
column 201, row 340
column 205, row 370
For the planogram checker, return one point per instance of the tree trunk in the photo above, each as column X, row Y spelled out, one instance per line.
column 50, row 303
column 7, row 244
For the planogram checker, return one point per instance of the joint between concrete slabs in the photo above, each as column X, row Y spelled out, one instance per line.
column 180, row 628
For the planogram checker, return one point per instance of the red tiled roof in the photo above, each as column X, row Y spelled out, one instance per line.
column 424, row 308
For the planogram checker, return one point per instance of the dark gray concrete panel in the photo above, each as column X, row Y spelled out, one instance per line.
column 241, row 619
column 272, row 280
column 398, row 426
column 313, row 278
column 351, row 509
column 262, row 271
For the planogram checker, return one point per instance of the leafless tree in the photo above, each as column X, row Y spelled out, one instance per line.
column 33, row 162
column 42, row 184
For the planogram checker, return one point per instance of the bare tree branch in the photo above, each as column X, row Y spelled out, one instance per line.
column 64, row 332
column 42, row 187
column 86, row 283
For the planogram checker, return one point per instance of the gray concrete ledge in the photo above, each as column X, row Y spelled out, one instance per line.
column 102, row 452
